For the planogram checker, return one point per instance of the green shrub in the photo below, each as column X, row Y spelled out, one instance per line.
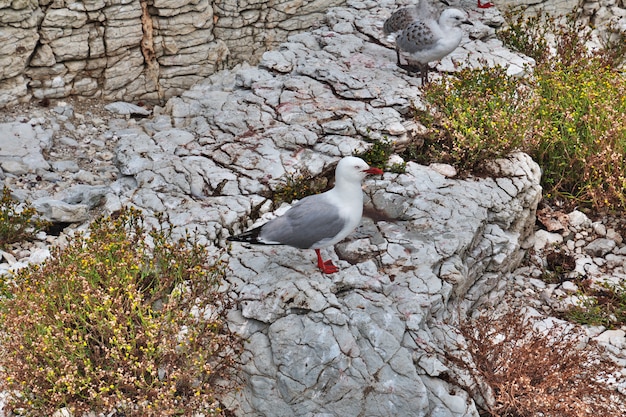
column 112, row 322
column 297, row 185
column 476, row 116
column 600, row 305
column 569, row 116
column 579, row 133
column 17, row 221
column 528, row 34
column 378, row 156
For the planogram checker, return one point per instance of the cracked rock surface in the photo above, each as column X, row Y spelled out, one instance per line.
column 358, row 343
column 364, row 341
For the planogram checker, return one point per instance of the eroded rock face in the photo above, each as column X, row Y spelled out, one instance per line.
column 136, row 50
column 154, row 50
column 368, row 340
column 364, row 341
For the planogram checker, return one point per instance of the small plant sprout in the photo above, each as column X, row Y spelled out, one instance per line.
column 18, row 221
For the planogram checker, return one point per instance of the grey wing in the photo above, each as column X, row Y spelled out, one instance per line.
column 306, row 223
column 416, row 37
column 400, row 19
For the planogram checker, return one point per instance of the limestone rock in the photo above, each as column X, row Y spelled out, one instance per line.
column 169, row 46
column 121, row 107
column 20, row 148
column 600, row 247
column 578, row 220
column 366, row 341
column 58, row 211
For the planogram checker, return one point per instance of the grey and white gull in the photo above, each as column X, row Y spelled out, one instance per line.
column 422, row 36
column 320, row 220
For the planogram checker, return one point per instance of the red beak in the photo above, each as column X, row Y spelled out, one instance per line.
column 374, row 171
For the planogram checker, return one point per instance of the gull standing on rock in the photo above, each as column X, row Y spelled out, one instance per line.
column 423, row 38
column 319, row 220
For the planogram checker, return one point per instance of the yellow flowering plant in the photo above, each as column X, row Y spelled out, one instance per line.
column 122, row 319
column 569, row 115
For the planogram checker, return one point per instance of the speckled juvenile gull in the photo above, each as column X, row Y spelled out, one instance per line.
column 319, row 220
column 425, row 39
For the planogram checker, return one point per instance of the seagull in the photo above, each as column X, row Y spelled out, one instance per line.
column 320, row 220
column 423, row 38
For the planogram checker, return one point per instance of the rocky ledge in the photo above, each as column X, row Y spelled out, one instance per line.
column 368, row 340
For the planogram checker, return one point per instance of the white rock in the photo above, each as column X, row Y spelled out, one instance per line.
column 59, row 211
column 599, row 228
column 612, row 337
column 615, row 236
column 600, row 247
column 63, row 412
column 585, row 266
column 38, row 256
column 569, row 287
column 444, row 169
column 544, row 239
column 395, row 160
column 578, row 220
column 8, row 257
column 613, row 261
column 122, row 107
column 432, row 365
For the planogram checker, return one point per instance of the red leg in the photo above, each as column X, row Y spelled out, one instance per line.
column 484, row 5
column 326, row 267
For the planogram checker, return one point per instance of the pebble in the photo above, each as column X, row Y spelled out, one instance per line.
column 578, row 220
column 544, row 239
column 569, row 287
column 600, row 247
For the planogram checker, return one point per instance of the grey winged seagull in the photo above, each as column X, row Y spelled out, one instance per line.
column 320, row 220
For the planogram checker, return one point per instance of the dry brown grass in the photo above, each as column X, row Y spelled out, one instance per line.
column 535, row 370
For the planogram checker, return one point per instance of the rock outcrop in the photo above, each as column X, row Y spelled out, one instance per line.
column 153, row 50
column 368, row 340
column 135, row 50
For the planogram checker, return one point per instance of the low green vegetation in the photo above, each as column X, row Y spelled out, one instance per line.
column 297, row 185
column 599, row 305
column 18, row 222
column 126, row 319
column 301, row 183
column 122, row 319
column 475, row 116
column 570, row 115
column 378, row 156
